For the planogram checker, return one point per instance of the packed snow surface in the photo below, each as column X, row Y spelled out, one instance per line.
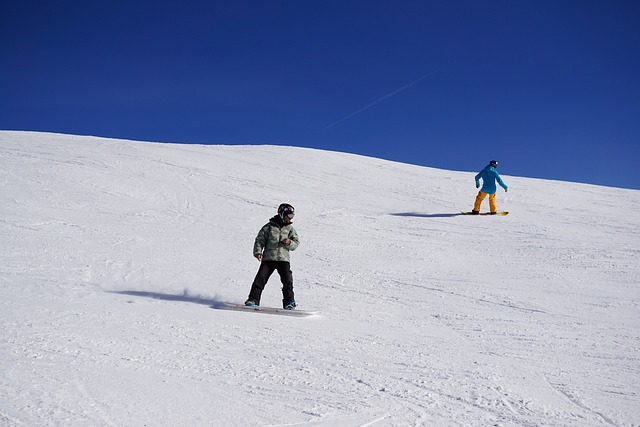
column 116, row 256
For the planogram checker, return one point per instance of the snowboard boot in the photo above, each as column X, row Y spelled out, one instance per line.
column 290, row 306
column 250, row 303
column 475, row 212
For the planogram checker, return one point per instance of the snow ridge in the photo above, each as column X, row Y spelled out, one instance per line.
column 117, row 253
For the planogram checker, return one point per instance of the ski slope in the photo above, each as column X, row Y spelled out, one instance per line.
column 115, row 255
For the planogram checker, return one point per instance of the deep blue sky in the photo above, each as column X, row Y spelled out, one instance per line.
column 549, row 88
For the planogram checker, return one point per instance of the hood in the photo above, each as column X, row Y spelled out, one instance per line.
column 277, row 220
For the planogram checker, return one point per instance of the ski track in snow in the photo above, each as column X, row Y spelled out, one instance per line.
column 116, row 255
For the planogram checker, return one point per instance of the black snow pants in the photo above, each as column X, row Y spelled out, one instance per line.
column 262, row 277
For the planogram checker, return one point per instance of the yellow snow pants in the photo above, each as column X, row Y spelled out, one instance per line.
column 480, row 197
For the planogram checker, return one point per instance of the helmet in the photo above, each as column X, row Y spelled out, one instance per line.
column 493, row 163
column 285, row 209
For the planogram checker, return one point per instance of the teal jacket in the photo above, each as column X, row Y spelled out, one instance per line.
column 489, row 177
column 269, row 241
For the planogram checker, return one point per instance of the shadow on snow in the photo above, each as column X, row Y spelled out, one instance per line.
column 184, row 297
column 424, row 215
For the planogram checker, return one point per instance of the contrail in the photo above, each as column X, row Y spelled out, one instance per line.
column 379, row 100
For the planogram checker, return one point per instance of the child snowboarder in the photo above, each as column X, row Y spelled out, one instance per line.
column 272, row 246
column 489, row 177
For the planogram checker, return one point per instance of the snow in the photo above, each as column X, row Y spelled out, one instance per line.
column 115, row 254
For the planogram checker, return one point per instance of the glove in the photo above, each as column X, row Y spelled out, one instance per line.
column 505, row 190
column 478, row 186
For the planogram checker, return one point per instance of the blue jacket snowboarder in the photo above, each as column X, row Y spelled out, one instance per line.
column 489, row 176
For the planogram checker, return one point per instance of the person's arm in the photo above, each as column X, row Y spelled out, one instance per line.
column 260, row 242
column 502, row 184
column 293, row 240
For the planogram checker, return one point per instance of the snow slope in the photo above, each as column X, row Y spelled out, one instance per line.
column 115, row 254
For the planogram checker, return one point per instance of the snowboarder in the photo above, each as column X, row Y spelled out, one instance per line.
column 272, row 246
column 489, row 177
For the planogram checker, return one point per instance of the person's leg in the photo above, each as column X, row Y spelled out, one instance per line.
column 492, row 203
column 261, row 279
column 286, row 277
column 479, row 198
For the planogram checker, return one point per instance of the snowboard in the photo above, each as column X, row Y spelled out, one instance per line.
column 269, row 310
column 486, row 213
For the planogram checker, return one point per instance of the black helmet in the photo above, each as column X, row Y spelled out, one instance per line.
column 285, row 209
column 493, row 163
